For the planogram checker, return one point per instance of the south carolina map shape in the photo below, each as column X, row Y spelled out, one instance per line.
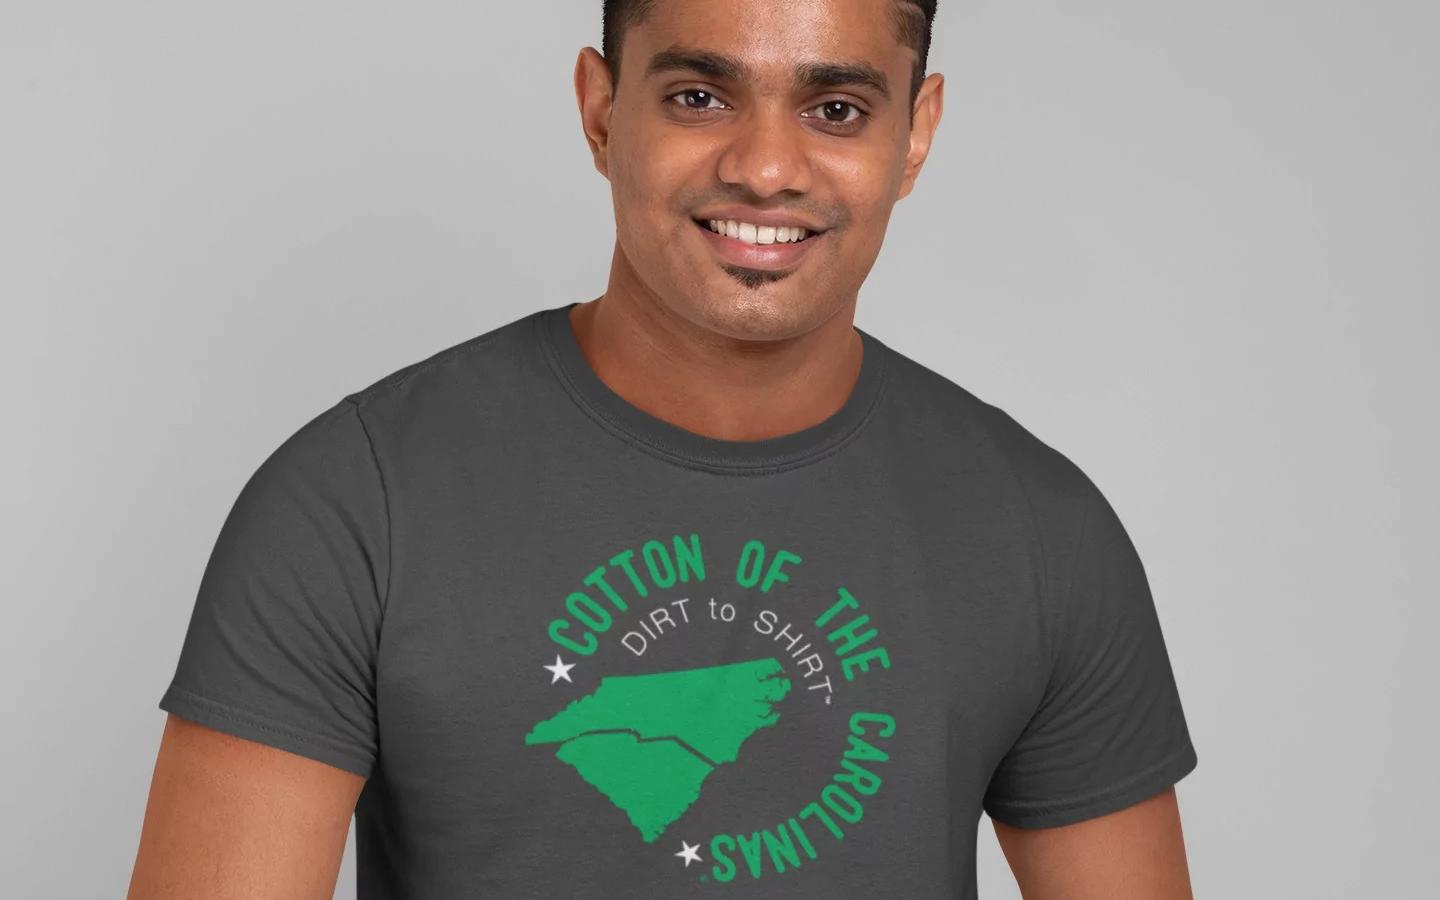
column 648, row 742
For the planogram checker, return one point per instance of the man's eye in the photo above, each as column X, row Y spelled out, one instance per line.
column 700, row 97
column 839, row 116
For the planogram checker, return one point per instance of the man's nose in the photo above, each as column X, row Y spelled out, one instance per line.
column 767, row 154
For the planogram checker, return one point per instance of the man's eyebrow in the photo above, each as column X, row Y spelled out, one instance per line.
column 808, row 75
column 815, row 75
column 705, row 62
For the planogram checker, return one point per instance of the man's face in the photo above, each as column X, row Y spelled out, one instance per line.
column 713, row 119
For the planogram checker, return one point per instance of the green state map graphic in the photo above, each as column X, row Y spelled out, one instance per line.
column 648, row 742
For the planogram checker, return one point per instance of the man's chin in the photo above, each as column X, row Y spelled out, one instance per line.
column 749, row 315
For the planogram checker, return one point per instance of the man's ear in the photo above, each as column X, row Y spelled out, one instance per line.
column 594, row 93
column 929, row 104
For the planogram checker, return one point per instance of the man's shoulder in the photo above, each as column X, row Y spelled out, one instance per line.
column 977, row 434
column 485, row 364
column 435, row 400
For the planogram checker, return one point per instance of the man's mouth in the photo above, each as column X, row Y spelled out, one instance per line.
column 758, row 235
column 738, row 244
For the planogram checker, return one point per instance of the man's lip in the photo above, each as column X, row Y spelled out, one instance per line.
column 774, row 218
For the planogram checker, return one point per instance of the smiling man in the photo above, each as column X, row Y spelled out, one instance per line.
column 691, row 589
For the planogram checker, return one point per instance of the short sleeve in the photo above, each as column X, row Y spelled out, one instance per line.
column 1109, row 730
column 281, row 644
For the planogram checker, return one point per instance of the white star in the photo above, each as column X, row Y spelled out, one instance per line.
column 690, row 853
column 562, row 670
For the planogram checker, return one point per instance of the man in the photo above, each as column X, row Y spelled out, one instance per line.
column 693, row 588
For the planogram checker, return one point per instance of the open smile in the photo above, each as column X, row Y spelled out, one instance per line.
column 758, row 246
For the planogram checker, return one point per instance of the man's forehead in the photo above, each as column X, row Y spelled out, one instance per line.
column 775, row 41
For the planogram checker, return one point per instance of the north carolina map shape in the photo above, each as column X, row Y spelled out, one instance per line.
column 648, row 742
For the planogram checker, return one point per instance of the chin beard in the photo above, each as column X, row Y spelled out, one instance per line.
column 754, row 278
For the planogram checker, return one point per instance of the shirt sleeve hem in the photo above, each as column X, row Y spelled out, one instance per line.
column 1132, row 790
column 241, row 724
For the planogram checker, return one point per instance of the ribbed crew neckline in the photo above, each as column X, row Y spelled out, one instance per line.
column 680, row 445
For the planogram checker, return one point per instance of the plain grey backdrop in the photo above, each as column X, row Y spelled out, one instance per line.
column 1191, row 244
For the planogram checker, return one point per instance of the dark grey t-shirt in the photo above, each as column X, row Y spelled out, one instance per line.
column 581, row 652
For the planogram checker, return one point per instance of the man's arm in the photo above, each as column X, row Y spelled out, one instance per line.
column 1137, row 853
column 231, row 818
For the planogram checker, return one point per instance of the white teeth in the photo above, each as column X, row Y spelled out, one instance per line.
column 758, row 234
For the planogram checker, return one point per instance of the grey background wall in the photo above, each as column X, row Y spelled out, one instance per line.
column 1191, row 244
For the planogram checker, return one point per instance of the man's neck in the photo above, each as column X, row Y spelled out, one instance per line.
column 712, row 384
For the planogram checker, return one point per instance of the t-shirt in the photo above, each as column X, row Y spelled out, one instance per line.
column 579, row 651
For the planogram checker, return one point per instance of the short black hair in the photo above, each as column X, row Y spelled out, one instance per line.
column 912, row 20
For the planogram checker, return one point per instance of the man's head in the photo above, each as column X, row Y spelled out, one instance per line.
column 808, row 113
